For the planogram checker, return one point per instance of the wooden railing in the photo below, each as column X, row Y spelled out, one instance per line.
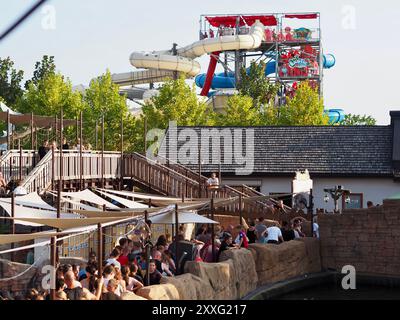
column 94, row 164
column 17, row 164
column 159, row 177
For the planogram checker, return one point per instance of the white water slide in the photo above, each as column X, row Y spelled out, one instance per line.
column 160, row 65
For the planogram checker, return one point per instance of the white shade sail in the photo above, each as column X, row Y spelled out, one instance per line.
column 183, row 217
column 127, row 203
column 22, row 212
column 89, row 196
column 32, row 200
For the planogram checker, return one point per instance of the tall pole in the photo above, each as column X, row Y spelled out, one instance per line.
column 147, row 248
column 100, row 248
column 61, row 168
column 8, row 130
column 145, row 136
column 12, row 221
column 212, row 229
column 176, row 238
column 80, row 152
column 199, row 165
column 122, row 154
column 32, row 137
column 55, row 128
column 53, row 262
column 311, row 211
column 77, row 129
column 240, row 209
column 102, row 151
column 20, row 162
column 53, row 171
column 96, row 135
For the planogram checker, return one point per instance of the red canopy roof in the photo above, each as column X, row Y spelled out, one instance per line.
column 230, row 21
column 265, row 20
column 302, row 16
column 226, row 21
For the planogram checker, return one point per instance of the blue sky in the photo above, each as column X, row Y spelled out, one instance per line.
column 93, row 35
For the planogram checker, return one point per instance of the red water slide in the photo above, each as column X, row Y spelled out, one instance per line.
column 210, row 73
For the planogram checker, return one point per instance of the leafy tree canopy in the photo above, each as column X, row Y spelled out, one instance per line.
column 10, row 82
column 358, row 120
column 256, row 85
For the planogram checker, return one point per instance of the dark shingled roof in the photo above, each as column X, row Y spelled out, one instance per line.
column 323, row 150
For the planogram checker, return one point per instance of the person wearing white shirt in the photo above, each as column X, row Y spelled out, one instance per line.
column 316, row 229
column 273, row 235
column 213, row 182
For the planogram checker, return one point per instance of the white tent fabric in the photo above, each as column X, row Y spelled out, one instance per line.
column 30, row 200
column 183, row 217
column 68, row 223
column 78, row 204
column 22, row 212
column 138, row 195
column 89, row 196
column 127, row 203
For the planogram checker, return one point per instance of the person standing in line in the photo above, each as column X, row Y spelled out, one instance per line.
column 43, row 149
column 287, row 232
column 65, row 145
column 78, row 145
column 260, row 229
column 251, row 232
column 273, row 235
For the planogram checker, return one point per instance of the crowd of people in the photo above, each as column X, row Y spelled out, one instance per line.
column 130, row 265
column 46, row 146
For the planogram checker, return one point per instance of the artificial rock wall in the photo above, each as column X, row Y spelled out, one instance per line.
column 367, row 239
column 239, row 272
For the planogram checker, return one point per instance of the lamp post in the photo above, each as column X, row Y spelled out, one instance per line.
column 336, row 193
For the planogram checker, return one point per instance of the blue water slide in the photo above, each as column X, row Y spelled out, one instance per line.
column 222, row 81
column 335, row 115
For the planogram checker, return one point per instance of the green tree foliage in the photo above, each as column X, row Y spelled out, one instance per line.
column 102, row 98
column 306, row 108
column 42, row 69
column 256, row 85
column 358, row 120
column 10, row 82
column 179, row 102
column 239, row 111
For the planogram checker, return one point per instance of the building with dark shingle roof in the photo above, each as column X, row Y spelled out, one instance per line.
column 364, row 159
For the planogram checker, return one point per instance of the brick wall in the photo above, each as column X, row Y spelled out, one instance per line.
column 368, row 239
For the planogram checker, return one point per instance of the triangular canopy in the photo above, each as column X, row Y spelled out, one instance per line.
column 68, row 223
column 183, row 217
column 12, row 238
column 127, row 203
column 89, row 196
column 22, row 212
column 32, row 200
column 139, row 195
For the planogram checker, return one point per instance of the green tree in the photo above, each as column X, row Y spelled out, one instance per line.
column 304, row 109
column 179, row 102
column 49, row 95
column 42, row 68
column 102, row 98
column 10, row 82
column 239, row 111
column 358, row 120
column 256, row 85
